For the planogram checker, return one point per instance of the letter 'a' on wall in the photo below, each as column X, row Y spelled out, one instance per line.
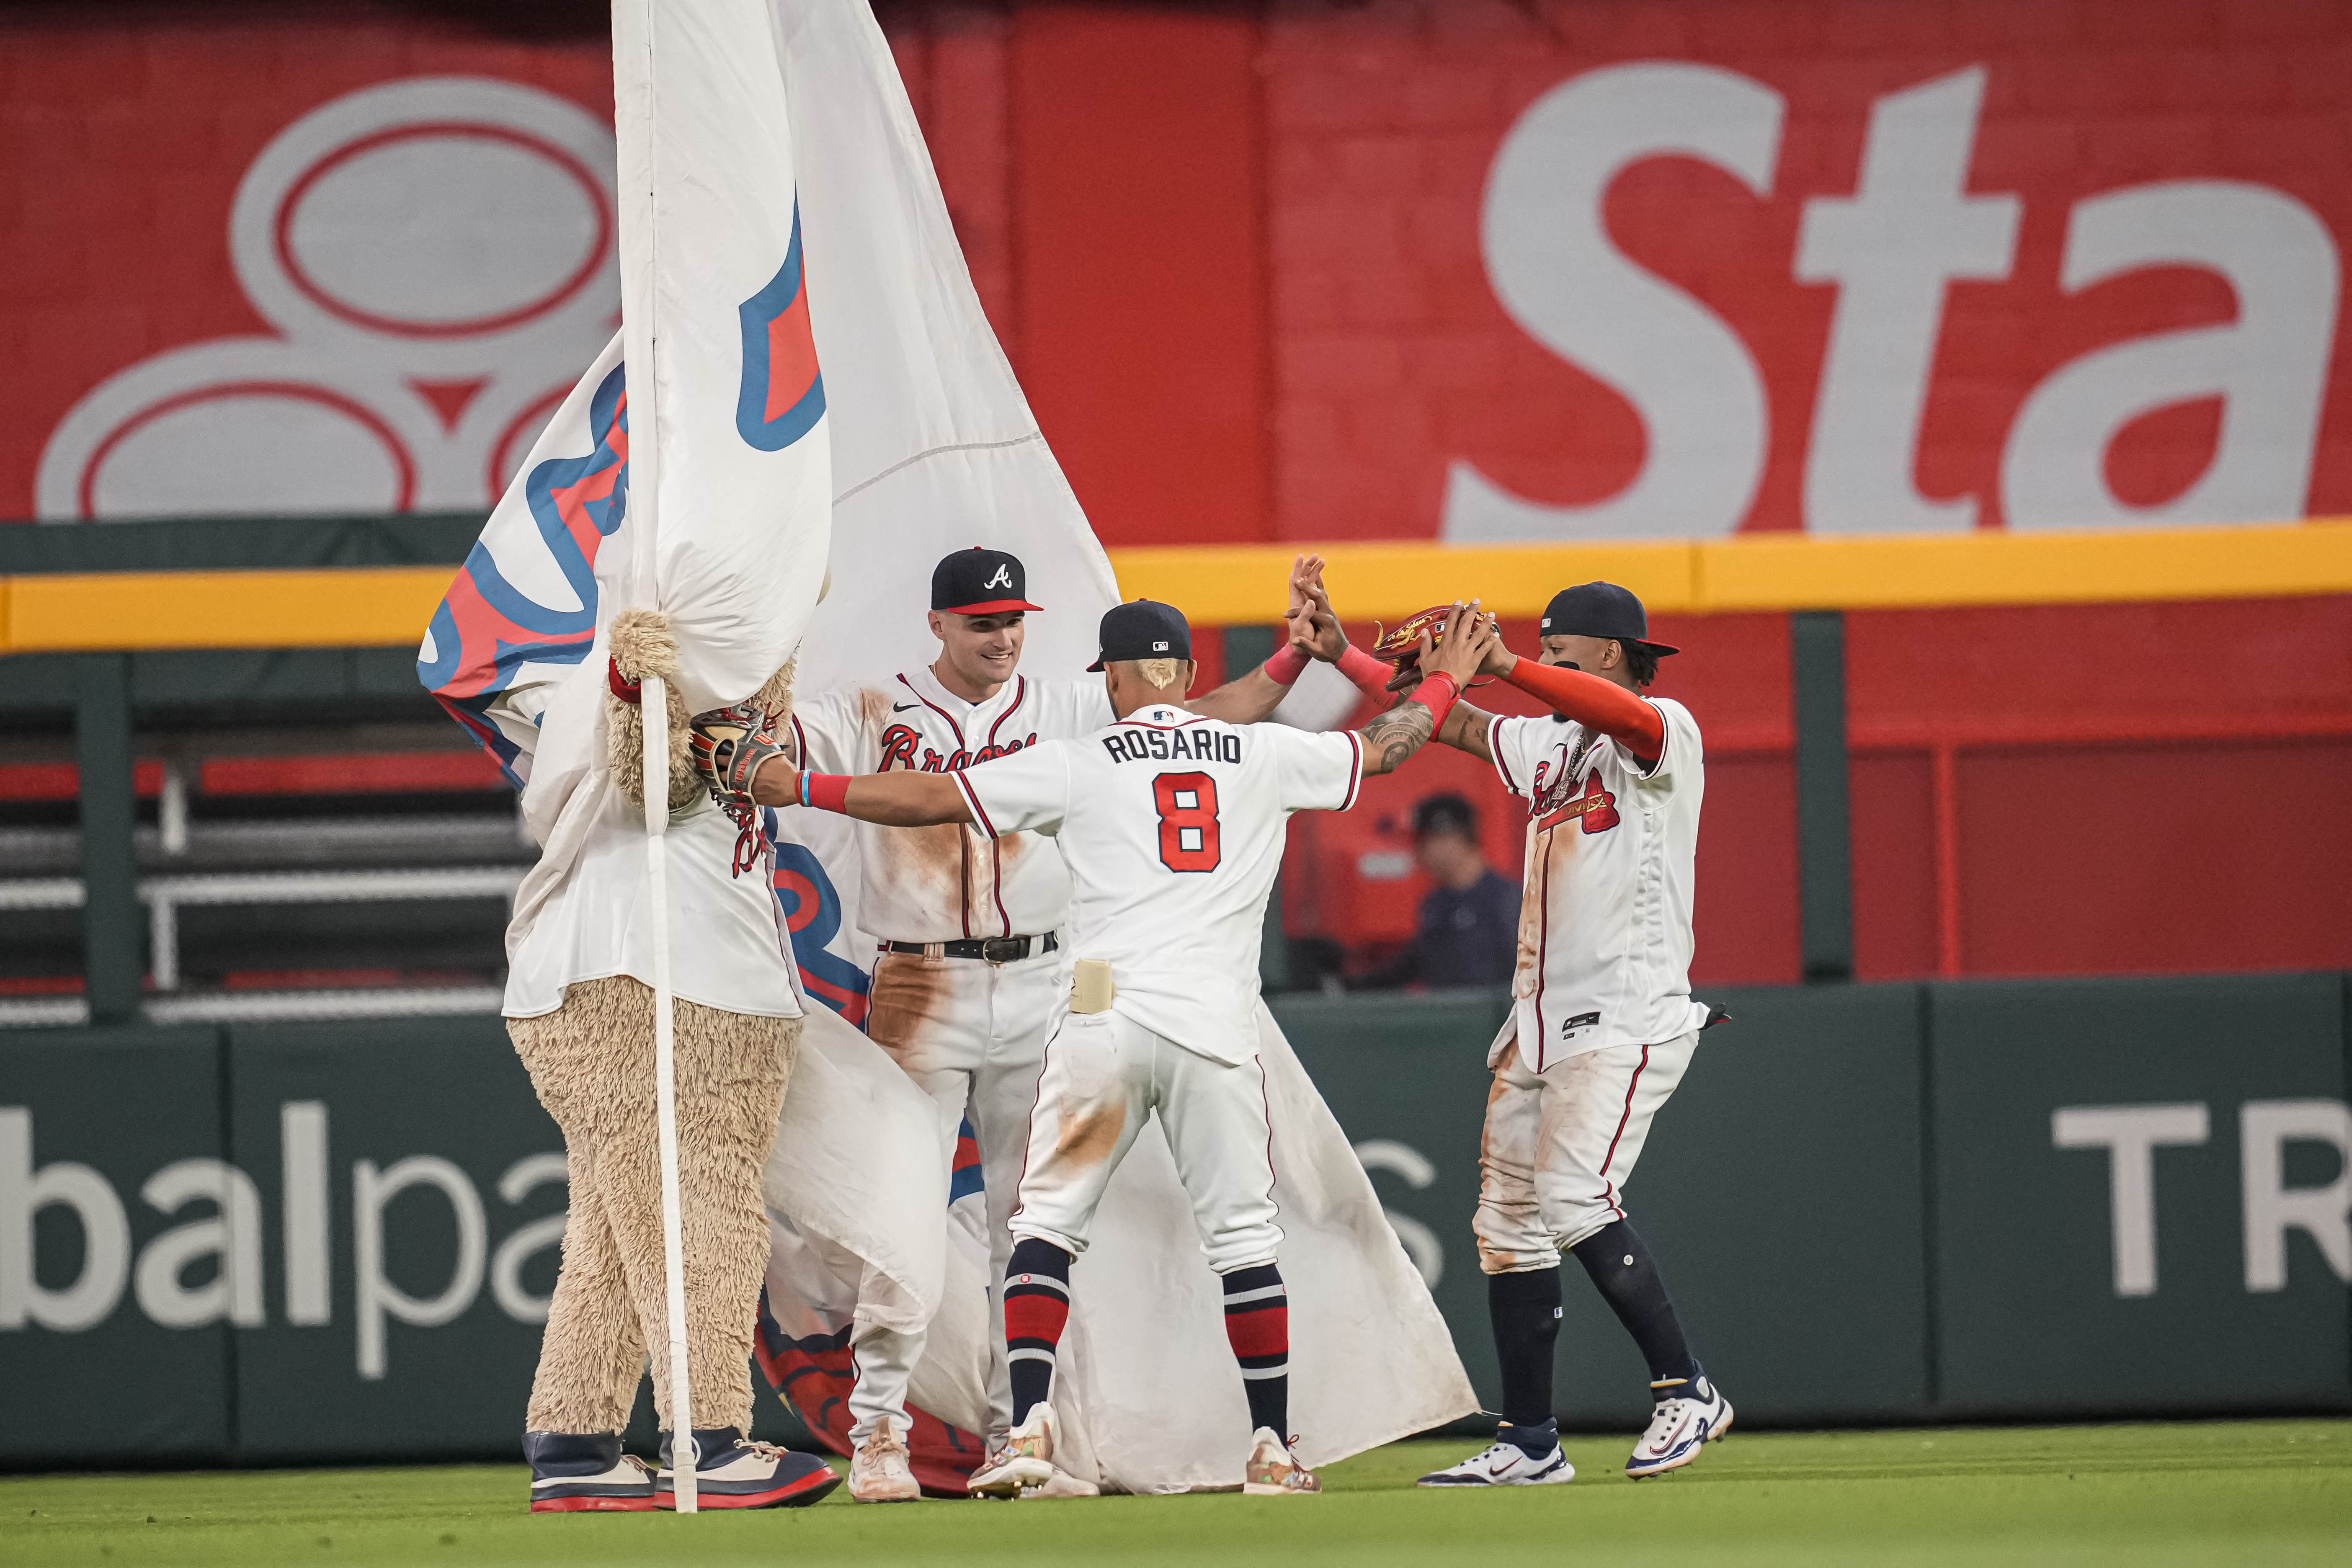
column 1692, row 380
column 2269, row 367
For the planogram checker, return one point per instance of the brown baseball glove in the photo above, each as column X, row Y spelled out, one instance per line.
column 1400, row 644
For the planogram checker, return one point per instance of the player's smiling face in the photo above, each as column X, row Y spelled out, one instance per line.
column 979, row 652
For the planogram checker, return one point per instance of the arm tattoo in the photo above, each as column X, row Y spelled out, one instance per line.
column 1465, row 730
column 1397, row 734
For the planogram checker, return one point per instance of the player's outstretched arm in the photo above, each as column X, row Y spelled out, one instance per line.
column 894, row 800
column 1462, row 646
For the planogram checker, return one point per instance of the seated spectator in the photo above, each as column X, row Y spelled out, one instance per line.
column 1468, row 933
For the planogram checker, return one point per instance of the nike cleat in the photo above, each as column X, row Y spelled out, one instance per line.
column 1679, row 1429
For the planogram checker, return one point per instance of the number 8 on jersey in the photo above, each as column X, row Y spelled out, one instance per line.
column 1188, row 821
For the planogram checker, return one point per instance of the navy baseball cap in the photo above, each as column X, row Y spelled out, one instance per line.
column 979, row 582
column 1600, row 610
column 1144, row 629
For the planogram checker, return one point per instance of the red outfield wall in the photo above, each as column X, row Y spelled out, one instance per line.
column 1456, row 269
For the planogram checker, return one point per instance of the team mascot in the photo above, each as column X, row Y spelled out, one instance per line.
column 591, row 1063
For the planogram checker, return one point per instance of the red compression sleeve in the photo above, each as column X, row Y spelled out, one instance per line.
column 1371, row 675
column 1287, row 665
column 1437, row 694
column 827, row 791
column 1603, row 705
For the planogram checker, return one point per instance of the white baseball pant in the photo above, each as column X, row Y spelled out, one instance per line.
column 969, row 1034
column 1103, row 1075
column 1560, row 1144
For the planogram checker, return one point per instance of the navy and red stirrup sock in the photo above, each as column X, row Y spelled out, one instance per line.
column 1627, row 1277
column 1525, row 1309
column 1036, row 1310
column 1257, row 1325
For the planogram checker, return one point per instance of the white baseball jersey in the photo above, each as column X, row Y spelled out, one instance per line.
column 1172, row 828
column 727, row 945
column 946, row 883
column 1605, row 913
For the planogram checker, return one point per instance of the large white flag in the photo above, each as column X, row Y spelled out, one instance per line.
column 935, row 450
column 733, row 463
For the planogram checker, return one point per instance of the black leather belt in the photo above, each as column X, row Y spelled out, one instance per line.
column 987, row 949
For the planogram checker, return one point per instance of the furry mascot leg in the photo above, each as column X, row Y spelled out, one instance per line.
column 591, row 1064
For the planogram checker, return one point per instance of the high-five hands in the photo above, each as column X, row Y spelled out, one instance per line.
column 1314, row 628
column 1463, row 646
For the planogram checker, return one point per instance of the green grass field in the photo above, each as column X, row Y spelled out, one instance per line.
column 2273, row 1493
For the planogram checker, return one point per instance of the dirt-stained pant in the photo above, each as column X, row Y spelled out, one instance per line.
column 1560, row 1144
column 1104, row 1075
column 969, row 1033
column 591, row 1062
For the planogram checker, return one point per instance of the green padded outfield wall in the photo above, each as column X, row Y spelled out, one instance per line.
column 1873, row 1203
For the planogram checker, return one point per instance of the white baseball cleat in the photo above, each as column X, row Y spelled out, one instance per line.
column 1273, row 1470
column 1024, row 1460
column 878, row 1471
column 1679, row 1428
column 1504, row 1465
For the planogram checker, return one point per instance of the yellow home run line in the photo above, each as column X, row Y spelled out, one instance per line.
column 1243, row 585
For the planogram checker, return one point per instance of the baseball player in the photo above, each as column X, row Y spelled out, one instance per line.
column 1602, row 1024
column 965, row 984
column 1171, row 823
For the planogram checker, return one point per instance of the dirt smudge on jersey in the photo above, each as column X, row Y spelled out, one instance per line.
column 872, row 705
column 1089, row 1131
column 908, row 991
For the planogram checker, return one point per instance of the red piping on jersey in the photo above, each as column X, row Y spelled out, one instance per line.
column 963, row 843
column 936, row 709
column 1543, row 952
column 979, row 815
column 1495, row 751
column 1148, row 724
column 1634, row 1082
column 996, row 871
column 800, row 745
column 1020, row 691
column 1356, row 782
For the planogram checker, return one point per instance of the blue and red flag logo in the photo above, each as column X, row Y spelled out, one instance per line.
column 486, row 627
column 782, row 394
column 812, row 911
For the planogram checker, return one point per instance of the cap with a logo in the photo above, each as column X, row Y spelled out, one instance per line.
column 979, row 582
column 1144, row 629
column 1600, row 610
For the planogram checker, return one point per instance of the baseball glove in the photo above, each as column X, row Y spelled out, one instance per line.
column 730, row 744
column 1400, row 644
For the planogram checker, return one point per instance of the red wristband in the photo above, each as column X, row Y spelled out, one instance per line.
column 827, row 791
column 1369, row 675
column 1438, row 706
column 1287, row 665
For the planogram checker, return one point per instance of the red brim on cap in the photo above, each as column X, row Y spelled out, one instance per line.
column 1656, row 647
column 992, row 607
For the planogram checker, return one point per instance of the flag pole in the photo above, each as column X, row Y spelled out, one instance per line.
column 635, row 20
column 683, row 1457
